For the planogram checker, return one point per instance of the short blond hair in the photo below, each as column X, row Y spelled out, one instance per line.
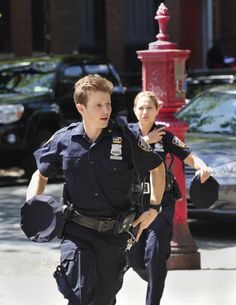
column 88, row 84
column 150, row 95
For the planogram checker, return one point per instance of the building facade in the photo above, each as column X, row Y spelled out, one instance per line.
column 114, row 28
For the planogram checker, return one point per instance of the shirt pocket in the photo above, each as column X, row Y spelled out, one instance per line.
column 119, row 174
column 72, row 163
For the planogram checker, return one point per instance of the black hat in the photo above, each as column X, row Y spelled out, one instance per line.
column 41, row 218
column 203, row 195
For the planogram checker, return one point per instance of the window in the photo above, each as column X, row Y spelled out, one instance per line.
column 40, row 27
column 140, row 28
column 213, row 111
column 4, row 26
column 73, row 72
column 91, row 23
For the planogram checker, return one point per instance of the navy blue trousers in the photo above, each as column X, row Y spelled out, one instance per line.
column 93, row 264
column 149, row 256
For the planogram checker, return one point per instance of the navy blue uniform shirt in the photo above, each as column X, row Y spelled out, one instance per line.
column 98, row 175
column 169, row 144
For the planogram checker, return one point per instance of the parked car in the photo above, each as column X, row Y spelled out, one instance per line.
column 200, row 80
column 211, row 116
column 36, row 99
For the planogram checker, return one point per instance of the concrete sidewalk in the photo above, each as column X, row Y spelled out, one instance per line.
column 182, row 287
column 214, row 284
column 26, row 279
column 26, row 268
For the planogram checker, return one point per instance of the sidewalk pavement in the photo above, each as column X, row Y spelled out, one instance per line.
column 26, row 269
column 26, row 279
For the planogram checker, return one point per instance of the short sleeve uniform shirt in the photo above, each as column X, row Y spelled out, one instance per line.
column 98, row 174
column 169, row 144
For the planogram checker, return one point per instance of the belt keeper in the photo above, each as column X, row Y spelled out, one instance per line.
column 102, row 226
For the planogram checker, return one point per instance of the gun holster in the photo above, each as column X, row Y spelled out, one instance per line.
column 172, row 185
column 124, row 221
column 66, row 213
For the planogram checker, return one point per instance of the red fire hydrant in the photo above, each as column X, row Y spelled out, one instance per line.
column 163, row 71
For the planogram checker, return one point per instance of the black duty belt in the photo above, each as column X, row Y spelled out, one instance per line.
column 100, row 225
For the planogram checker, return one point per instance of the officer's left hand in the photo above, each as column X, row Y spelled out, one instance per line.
column 204, row 174
column 144, row 221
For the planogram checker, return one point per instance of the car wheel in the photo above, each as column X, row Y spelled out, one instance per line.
column 28, row 163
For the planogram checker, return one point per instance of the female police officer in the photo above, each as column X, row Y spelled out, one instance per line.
column 148, row 257
column 97, row 157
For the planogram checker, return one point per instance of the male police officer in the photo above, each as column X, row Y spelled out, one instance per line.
column 98, row 158
column 148, row 257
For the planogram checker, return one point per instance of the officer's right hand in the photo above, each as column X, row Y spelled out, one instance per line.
column 37, row 185
column 155, row 135
column 204, row 173
column 144, row 221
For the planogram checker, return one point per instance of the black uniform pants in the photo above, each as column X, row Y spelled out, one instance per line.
column 149, row 256
column 93, row 264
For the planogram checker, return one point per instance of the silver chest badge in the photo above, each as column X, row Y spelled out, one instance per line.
column 159, row 147
column 116, row 148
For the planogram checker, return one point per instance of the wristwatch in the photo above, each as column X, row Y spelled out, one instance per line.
column 157, row 207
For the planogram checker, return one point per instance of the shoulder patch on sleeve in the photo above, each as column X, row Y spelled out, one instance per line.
column 142, row 144
column 178, row 142
column 162, row 124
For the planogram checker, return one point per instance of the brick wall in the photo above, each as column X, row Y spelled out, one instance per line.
column 64, row 27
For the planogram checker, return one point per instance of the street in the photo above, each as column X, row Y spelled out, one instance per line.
column 26, row 267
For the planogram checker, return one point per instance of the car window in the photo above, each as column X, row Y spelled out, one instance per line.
column 92, row 69
column 71, row 72
column 198, row 84
column 101, row 69
column 26, row 81
column 211, row 111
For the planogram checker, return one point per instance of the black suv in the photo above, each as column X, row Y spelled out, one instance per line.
column 36, row 99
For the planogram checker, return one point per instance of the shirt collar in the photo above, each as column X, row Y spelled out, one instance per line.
column 79, row 130
column 136, row 128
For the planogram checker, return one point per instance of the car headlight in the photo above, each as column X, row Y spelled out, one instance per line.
column 227, row 170
column 10, row 113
